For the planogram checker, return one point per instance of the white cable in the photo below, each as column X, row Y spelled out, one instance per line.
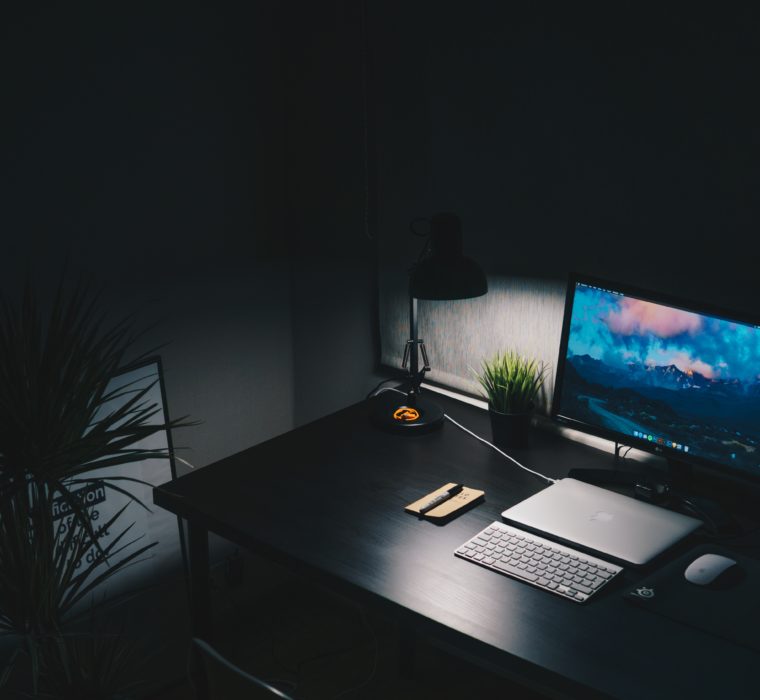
column 388, row 388
column 511, row 459
column 477, row 437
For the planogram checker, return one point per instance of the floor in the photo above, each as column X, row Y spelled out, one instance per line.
column 316, row 645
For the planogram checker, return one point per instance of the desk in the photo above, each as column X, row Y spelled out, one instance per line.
column 327, row 500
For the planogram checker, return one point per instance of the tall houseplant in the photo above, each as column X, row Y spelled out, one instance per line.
column 512, row 385
column 58, row 423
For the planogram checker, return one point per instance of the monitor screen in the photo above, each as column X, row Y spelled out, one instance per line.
column 666, row 376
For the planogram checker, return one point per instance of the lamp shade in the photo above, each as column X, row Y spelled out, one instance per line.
column 445, row 273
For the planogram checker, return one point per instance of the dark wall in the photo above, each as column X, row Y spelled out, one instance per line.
column 330, row 216
column 145, row 144
column 215, row 160
column 615, row 141
column 195, row 158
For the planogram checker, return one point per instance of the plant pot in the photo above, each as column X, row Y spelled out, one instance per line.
column 510, row 429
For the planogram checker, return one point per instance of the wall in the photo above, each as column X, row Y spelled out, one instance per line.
column 330, row 225
column 150, row 143
column 145, row 145
column 606, row 141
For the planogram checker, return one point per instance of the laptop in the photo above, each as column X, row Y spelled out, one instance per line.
column 604, row 522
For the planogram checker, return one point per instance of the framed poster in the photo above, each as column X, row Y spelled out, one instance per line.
column 148, row 525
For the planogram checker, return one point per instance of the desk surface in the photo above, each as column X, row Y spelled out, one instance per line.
column 328, row 499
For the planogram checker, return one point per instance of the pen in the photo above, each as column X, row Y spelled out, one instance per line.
column 440, row 498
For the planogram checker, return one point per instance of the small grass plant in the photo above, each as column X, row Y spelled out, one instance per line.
column 511, row 383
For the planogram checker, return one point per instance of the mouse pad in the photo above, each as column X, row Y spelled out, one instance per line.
column 732, row 613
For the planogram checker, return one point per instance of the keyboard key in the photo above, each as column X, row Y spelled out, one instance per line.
column 515, row 571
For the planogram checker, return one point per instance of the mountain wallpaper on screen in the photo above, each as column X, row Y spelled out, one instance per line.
column 690, row 381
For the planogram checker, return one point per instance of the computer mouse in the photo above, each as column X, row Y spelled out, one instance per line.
column 713, row 571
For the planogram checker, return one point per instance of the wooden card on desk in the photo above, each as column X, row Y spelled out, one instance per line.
column 450, row 508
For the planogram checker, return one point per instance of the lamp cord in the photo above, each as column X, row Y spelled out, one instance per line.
column 504, row 454
column 379, row 384
column 547, row 479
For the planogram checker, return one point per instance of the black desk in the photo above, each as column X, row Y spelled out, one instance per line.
column 327, row 499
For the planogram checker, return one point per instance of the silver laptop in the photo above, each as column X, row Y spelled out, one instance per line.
column 605, row 522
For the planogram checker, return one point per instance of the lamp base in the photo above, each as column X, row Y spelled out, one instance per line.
column 396, row 413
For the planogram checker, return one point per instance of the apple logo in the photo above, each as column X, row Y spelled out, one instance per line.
column 602, row 516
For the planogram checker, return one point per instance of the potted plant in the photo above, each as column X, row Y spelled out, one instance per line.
column 55, row 372
column 512, row 385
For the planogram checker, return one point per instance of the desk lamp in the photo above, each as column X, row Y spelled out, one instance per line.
column 442, row 272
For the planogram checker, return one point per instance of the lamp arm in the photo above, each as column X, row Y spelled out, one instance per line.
column 413, row 347
column 414, row 359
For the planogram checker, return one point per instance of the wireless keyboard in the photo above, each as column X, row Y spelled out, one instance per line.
column 538, row 561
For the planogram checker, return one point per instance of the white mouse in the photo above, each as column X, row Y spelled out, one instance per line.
column 711, row 570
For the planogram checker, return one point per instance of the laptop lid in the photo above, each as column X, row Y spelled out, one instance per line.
column 605, row 522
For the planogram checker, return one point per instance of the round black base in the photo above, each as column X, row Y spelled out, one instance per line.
column 395, row 413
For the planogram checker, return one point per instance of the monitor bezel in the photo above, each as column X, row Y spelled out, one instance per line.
column 672, row 455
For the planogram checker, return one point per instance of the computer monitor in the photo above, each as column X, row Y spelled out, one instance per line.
column 664, row 375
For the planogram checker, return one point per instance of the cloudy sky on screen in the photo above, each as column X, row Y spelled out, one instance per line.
column 619, row 330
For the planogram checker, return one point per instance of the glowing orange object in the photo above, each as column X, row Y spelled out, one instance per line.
column 406, row 414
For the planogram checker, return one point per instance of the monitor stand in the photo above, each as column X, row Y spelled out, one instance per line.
column 681, row 476
column 679, row 473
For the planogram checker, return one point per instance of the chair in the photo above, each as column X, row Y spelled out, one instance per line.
column 228, row 682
